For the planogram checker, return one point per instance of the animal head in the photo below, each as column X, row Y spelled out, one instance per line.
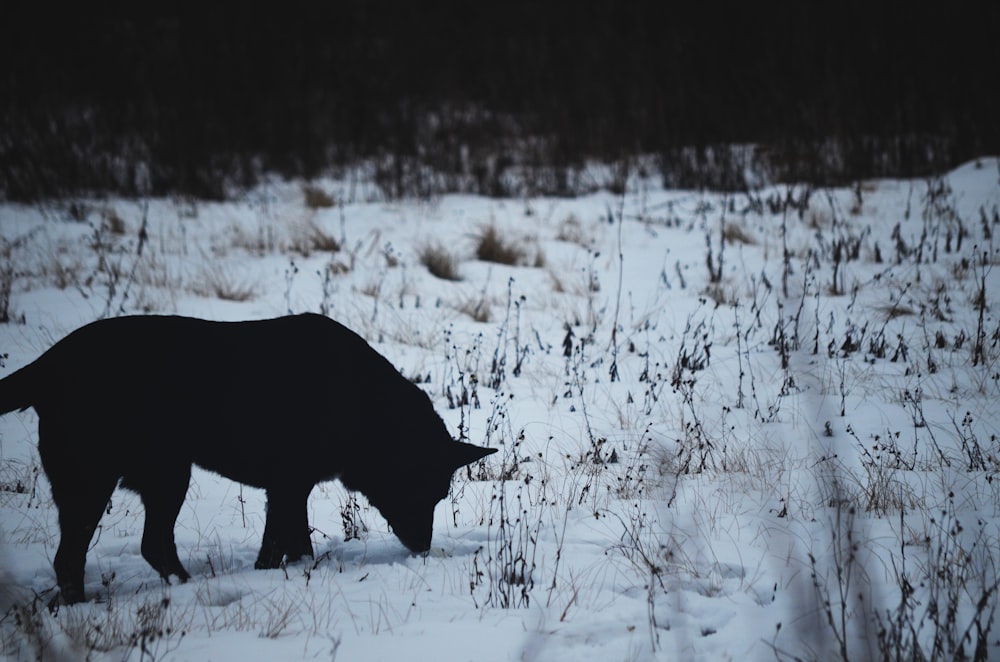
column 406, row 497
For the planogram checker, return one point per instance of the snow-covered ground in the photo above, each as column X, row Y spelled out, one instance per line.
column 708, row 450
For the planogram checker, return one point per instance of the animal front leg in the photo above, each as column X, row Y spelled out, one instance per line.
column 162, row 495
column 269, row 555
column 286, row 529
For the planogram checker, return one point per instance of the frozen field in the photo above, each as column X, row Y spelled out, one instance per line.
column 744, row 426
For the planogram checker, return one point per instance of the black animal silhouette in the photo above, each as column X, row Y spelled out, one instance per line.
column 280, row 404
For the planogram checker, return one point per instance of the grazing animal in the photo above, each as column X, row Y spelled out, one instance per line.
column 279, row 404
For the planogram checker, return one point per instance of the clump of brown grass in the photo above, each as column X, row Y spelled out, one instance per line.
column 477, row 308
column 734, row 233
column 310, row 237
column 317, row 198
column 571, row 230
column 492, row 247
column 112, row 221
column 540, row 260
column 214, row 281
column 441, row 263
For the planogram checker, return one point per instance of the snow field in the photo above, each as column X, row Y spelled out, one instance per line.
column 758, row 425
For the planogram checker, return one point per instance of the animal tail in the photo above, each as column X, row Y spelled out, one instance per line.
column 17, row 390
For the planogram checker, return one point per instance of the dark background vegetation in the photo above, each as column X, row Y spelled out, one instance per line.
column 492, row 97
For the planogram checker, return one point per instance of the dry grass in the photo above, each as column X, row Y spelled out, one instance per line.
column 571, row 230
column 491, row 247
column 310, row 238
column 317, row 198
column 734, row 233
column 63, row 271
column 891, row 311
column 557, row 284
column 477, row 308
column 215, row 281
column 113, row 222
column 818, row 219
column 6, row 281
column 441, row 263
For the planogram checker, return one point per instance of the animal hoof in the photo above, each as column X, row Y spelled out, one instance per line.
column 70, row 595
column 271, row 564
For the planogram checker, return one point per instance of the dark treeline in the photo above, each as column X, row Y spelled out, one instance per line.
column 467, row 95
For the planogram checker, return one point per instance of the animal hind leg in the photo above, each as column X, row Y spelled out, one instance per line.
column 81, row 491
column 162, row 493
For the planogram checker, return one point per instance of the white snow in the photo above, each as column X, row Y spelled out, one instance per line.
column 673, row 491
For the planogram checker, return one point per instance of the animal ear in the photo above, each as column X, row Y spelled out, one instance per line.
column 463, row 454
